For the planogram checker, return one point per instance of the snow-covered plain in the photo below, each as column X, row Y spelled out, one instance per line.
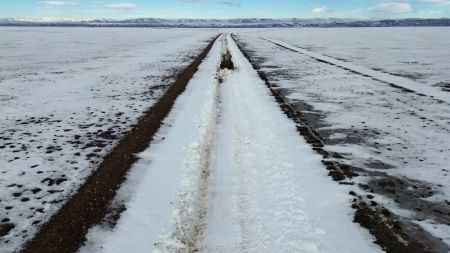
column 398, row 81
column 373, row 125
column 67, row 95
column 240, row 177
column 418, row 53
column 231, row 175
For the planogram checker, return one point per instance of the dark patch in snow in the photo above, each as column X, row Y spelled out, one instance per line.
column 445, row 86
column 5, row 227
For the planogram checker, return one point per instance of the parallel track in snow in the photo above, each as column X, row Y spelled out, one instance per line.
column 232, row 175
column 395, row 81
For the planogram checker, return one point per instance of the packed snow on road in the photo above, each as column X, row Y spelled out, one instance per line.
column 231, row 174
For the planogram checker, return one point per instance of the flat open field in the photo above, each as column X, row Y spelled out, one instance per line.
column 307, row 140
column 418, row 53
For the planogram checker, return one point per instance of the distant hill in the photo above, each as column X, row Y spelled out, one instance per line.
column 229, row 23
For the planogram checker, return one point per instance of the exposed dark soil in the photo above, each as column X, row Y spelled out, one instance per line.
column 445, row 86
column 392, row 233
column 66, row 230
column 5, row 227
column 410, row 194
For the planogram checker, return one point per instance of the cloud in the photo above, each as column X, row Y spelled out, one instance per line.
column 189, row 1
column 393, row 7
column 121, row 6
column 438, row 2
column 232, row 4
column 59, row 3
column 321, row 10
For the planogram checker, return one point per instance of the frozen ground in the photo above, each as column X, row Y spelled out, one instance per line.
column 418, row 53
column 231, row 175
column 400, row 139
column 66, row 96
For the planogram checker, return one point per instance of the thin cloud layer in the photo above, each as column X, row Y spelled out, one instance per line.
column 437, row 2
column 121, row 6
column 321, row 10
column 232, row 4
column 59, row 3
column 393, row 7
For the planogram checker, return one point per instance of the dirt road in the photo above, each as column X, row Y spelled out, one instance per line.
column 232, row 174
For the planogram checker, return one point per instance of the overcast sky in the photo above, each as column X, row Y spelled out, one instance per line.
column 88, row 9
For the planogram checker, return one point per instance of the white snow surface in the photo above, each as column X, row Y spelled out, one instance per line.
column 230, row 173
column 406, row 83
column 417, row 53
column 67, row 95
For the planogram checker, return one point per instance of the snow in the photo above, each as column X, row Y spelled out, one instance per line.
column 433, row 92
column 372, row 125
column 230, row 173
column 417, row 53
column 438, row 230
column 67, row 96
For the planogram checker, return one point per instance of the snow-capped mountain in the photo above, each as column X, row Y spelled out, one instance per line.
column 244, row 22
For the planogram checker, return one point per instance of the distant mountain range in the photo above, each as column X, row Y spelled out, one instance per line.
column 228, row 23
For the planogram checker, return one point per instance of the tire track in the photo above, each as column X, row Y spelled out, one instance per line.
column 266, row 201
column 191, row 216
column 398, row 82
column 194, row 224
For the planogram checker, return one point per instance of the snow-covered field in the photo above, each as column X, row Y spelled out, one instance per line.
column 374, row 126
column 418, row 53
column 228, row 171
column 67, row 95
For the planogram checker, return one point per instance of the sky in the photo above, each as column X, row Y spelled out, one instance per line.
column 89, row 9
